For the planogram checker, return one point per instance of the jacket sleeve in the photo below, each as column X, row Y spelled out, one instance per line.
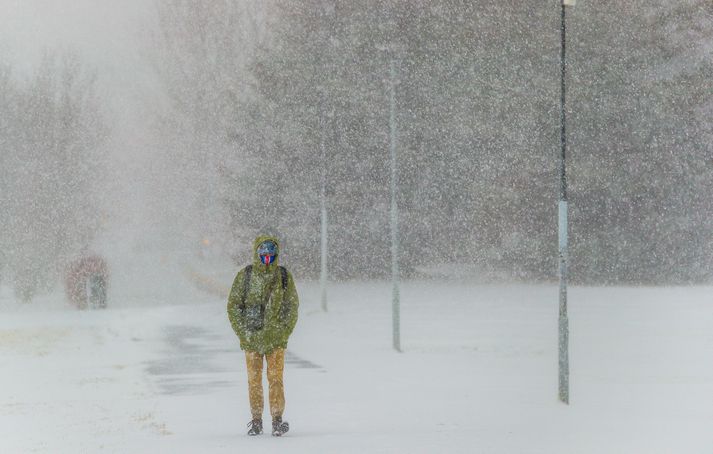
column 236, row 314
column 290, row 305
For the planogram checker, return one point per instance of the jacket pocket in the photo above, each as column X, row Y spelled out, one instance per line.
column 255, row 317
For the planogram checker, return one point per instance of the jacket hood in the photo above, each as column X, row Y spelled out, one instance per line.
column 258, row 241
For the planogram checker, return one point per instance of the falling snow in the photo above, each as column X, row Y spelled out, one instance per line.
column 418, row 141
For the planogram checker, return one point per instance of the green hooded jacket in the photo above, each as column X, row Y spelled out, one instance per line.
column 265, row 317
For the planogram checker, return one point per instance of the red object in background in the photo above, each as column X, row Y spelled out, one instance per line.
column 86, row 279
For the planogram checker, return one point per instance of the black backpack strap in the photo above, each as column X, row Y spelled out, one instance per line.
column 285, row 306
column 283, row 272
column 246, row 282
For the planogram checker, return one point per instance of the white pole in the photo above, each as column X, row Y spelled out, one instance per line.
column 323, row 273
column 323, row 212
column 395, row 306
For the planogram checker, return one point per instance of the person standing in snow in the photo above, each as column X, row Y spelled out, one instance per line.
column 262, row 308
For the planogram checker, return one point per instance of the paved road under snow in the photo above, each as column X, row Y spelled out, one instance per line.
column 163, row 373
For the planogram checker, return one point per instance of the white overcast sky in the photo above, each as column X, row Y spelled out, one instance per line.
column 103, row 31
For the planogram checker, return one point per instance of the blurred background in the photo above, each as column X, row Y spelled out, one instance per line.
column 182, row 128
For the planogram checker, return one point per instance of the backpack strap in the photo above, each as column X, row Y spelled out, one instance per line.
column 285, row 306
column 283, row 272
column 248, row 274
column 246, row 283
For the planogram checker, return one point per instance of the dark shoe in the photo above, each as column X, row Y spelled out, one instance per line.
column 279, row 427
column 255, row 427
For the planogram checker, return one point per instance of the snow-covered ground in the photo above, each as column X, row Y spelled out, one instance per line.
column 160, row 371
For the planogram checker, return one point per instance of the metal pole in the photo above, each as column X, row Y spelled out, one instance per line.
column 323, row 272
column 395, row 306
column 323, row 210
column 563, row 240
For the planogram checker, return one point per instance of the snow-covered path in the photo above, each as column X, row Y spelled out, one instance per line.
column 478, row 374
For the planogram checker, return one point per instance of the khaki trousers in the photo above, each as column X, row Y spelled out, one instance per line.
column 275, row 368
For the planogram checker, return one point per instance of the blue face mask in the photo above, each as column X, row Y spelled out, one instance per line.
column 267, row 251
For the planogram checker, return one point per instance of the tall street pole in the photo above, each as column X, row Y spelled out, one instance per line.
column 326, row 11
column 395, row 304
column 563, row 239
column 323, row 214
